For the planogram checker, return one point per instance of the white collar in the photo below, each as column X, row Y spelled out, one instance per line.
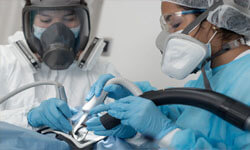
column 243, row 54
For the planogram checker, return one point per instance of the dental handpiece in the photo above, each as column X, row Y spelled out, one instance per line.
column 86, row 108
column 99, row 100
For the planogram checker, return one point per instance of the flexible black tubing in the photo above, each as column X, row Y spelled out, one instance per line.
column 223, row 106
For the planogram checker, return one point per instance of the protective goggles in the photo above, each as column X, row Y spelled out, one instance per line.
column 170, row 22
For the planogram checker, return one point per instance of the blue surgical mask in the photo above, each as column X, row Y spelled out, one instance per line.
column 209, row 48
column 76, row 31
column 38, row 31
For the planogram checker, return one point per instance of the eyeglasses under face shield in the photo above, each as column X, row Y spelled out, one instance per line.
column 50, row 28
column 171, row 22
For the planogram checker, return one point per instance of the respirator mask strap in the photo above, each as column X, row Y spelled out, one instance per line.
column 90, row 55
column 205, row 79
column 226, row 47
column 193, row 26
column 202, row 17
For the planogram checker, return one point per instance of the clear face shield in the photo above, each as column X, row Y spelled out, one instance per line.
column 57, row 34
column 43, row 19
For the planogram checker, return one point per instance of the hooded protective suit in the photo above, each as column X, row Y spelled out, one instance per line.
column 16, row 71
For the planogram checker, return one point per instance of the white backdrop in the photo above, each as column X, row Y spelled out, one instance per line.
column 132, row 24
column 10, row 18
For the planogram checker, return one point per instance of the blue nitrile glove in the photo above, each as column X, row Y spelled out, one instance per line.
column 139, row 113
column 121, row 131
column 53, row 113
column 97, row 87
column 115, row 91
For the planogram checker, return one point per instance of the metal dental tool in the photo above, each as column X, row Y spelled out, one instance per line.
column 77, row 140
column 76, row 132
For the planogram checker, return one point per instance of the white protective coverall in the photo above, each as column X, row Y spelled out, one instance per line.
column 16, row 71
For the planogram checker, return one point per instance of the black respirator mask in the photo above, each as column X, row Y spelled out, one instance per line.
column 56, row 30
column 58, row 44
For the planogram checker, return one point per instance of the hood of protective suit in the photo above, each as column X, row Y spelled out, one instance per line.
column 16, row 37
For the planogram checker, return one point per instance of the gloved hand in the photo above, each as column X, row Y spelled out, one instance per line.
column 139, row 113
column 115, row 91
column 121, row 131
column 52, row 113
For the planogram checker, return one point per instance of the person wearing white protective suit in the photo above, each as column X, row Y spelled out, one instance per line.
column 207, row 35
column 55, row 36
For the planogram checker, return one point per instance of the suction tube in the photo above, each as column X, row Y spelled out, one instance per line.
column 60, row 92
column 225, row 107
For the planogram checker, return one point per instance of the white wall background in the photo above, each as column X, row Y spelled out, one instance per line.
column 132, row 24
column 10, row 18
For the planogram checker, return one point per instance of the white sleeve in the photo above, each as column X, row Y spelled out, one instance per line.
column 17, row 116
column 167, row 139
column 110, row 68
column 137, row 140
column 164, row 142
column 15, row 109
column 103, row 67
